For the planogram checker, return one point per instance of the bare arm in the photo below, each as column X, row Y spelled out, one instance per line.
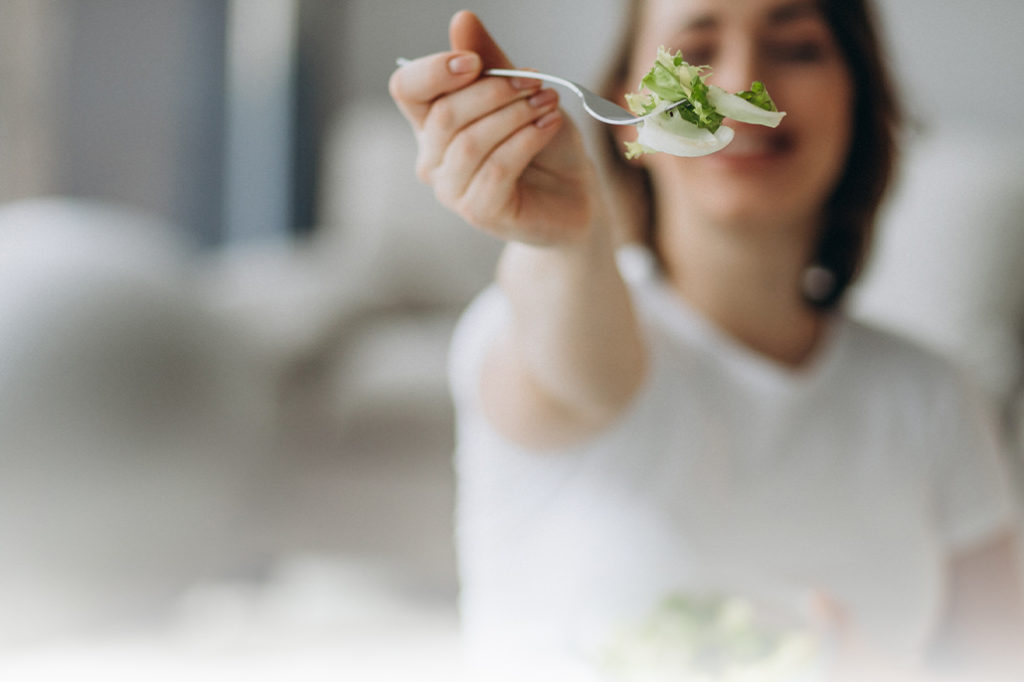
column 501, row 155
column 574, row 352
column 983, row 627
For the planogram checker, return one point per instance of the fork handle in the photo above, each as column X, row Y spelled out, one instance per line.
column 518, row 73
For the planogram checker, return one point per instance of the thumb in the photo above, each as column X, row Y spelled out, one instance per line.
column 853, row 657
column 467, row 32
column 825, row 614
column 831, row 622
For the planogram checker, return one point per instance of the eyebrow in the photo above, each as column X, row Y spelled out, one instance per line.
column 782, row 14
column 701, row 22
column 792, row 11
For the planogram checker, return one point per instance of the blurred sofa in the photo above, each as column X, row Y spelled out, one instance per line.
column 131, row 418
column 155, row 400
column 371, row 298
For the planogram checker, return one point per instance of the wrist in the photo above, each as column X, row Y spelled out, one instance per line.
column 580, row 256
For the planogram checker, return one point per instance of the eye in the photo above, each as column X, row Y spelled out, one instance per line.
column 698, row 55
column 798, row 52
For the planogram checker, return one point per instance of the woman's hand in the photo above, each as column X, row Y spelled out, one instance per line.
column 500, row 154
column 497, row 151
column 852, row 657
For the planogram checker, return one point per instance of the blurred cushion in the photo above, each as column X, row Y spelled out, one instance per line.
column 130, row 420
column 948, row 268
column 404, row 248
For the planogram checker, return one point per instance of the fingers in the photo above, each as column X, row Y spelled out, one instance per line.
column 453, row 113
column 476, row 136
column 467, row 33
column 479, row 170
column 416, row 85
column 492, row 199
column 823, row 611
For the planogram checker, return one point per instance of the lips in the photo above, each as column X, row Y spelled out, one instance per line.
column 748, row 144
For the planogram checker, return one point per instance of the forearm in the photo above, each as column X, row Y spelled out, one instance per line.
column 983, row 627
column 573, row 355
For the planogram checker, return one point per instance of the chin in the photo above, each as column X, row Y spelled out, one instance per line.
column 744, row 190
column 742, row 206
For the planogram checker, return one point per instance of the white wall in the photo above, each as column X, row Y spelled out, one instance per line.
column 959, row 61
column 567, row 37
column 139, row 107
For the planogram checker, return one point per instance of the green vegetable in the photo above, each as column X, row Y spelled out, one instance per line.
column 697, row 122
column 758, row 96
column 709, row 637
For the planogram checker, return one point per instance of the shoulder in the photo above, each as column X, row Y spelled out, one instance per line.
column 920, row 385
column 959, row 445
column 880, row 351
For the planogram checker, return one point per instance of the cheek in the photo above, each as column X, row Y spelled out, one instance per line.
column 835, row 128
column 679, row 175
column 821, row 116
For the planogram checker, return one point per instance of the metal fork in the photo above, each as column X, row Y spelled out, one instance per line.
column 600, row 108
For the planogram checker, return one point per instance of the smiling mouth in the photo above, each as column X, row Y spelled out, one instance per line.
column 748, row 145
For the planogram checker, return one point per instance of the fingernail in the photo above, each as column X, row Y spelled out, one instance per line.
column 464, row 63
column 548, row 119
column 543, row 98
column 522, row 83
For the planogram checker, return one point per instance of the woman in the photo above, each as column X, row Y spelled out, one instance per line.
column 704, row 419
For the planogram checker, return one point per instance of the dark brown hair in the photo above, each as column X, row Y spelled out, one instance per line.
column 851, row 209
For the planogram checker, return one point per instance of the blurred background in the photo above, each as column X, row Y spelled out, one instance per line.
column 225, row 303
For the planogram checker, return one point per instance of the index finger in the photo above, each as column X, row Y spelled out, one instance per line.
column 416, row 84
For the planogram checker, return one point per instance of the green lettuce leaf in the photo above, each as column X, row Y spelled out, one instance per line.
column 758, row 96
column 672, row 82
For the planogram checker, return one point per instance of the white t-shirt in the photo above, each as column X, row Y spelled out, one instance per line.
column 857, row 475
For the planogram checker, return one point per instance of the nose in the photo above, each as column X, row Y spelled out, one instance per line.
column 737, row 65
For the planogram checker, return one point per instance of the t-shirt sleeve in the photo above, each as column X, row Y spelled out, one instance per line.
column 976, row 498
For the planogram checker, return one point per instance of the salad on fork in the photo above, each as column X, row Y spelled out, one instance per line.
column 693, row 128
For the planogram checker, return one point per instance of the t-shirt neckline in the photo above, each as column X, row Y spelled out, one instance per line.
column 685, row 322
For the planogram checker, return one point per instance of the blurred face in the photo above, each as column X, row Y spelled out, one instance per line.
column 780, row 175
